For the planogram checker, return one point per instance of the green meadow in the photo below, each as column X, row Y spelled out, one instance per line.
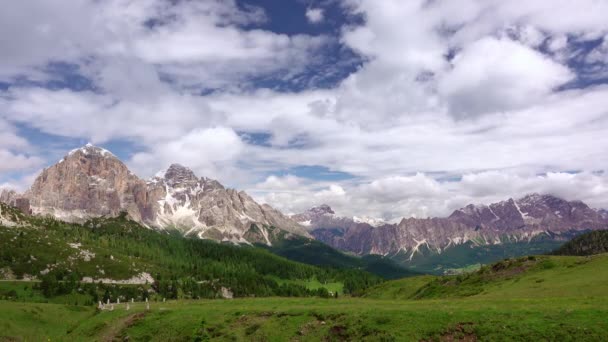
column 546, row 298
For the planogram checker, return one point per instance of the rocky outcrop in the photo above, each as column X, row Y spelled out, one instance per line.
column 204, row 208
column 91, row 182
column 506, row 221
column 88, row 182
column 16, row 200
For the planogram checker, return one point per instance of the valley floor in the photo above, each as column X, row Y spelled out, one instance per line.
column 288, row 319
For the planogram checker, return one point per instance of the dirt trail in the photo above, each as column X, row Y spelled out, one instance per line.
column 115, row 330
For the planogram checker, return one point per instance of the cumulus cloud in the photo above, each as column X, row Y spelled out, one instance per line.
column 420, row 195
column 500, row 74
column 487, row 92
column 16, row 162
column 15, row 151
column 206, row 151
column 195, row 42
column 102, row 117
column 314, row 15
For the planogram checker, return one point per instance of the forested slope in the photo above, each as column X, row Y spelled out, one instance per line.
column 118, row 249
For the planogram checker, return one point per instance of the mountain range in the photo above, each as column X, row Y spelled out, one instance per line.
column 91, row 182
column 476, row 233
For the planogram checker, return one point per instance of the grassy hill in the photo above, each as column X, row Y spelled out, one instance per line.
column 594, row 242
column 525, row 277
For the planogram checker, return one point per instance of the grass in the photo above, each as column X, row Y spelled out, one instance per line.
column 526, row 277
column 312, row 319
column 399, row 289
column 540, row 298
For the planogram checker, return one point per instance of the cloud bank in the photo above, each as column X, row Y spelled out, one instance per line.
column 443, row 102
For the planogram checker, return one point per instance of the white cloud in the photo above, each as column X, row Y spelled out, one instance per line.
column 204, row 37
column 102, row 117
column 314, row 15
column 17, row 162
column 21, row 183
column 393, row 198
column 209, row 152
column 15, row 151
column 390, row 123
column 499, row 74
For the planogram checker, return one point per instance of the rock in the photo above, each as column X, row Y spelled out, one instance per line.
column 88, row 182
column 204, row 208
column 16, row 200
column 226, row 293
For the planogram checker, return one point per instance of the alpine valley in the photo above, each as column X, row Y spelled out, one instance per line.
column 96, row 253
column 91, row 182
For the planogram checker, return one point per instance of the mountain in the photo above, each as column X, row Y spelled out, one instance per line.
column 591, row 243
column 203, row 207
column 91, row 182
column 498, row 228
column 323, row 215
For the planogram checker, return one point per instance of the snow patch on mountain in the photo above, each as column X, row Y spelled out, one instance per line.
column 91, row 149
column 374, row 222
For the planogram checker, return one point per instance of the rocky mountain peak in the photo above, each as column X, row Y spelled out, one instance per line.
column 91, row 150
column 322, row 209
column 178, row 174
column 88, row 182
column 506, row 221
column 91, row 182
column 539, row 199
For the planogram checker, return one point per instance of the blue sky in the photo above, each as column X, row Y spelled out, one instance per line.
column 378, row 108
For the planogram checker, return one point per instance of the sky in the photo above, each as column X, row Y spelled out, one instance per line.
column 383, row 109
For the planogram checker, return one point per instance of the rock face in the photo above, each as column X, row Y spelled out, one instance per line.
column 92, row 182
column 88, row 182
column 203, row 207
column 16, row 200
column 506, row 221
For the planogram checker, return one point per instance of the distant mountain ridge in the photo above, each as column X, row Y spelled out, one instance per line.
column 91, row 182
column 507, row 221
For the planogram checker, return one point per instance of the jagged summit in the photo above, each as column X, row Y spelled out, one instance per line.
column 178, row 174
column 322, row 209
column 91, row 182
column 497, row 223
column 91, row 149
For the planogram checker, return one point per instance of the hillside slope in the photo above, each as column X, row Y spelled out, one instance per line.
column 526, row 277
column 313, row 252
column 119, row 250
column 587, row 244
